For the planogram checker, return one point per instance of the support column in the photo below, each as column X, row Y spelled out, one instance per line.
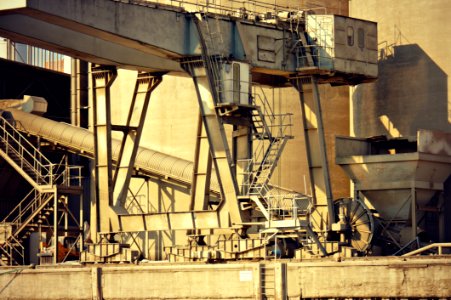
column 242, row 150
column 79, row 93
column 413, row 199
column 200, row 188
column 74, row 104
column 218, row 144
column 316, row 148
column 81, row 224
column 55, row 226
column 146, row 83
column 96, row 283
column 102, row 79
column 280, row 284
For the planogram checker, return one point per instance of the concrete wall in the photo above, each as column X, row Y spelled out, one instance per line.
column 413, row 91
column 417, row 277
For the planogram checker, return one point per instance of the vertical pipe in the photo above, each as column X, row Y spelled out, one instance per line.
column 55, row 227
column 66, row 215
column 81, row 223
column 82, row 93
column 74, row 93
column 414, row 211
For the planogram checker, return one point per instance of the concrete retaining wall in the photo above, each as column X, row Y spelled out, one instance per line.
column 419, row 277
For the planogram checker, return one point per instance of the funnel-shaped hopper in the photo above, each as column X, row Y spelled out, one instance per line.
column 397, row 175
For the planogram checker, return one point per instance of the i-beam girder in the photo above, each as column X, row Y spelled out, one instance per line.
column 315, row 144
column 143, row 37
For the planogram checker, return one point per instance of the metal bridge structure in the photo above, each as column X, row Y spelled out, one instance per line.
column 224, row 54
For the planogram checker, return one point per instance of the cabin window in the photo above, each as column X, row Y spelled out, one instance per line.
column 361, row 38
column 350, row 34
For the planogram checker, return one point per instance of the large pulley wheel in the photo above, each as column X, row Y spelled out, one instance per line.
column 360, row 222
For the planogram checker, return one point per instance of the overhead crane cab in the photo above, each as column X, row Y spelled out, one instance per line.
column 340, row 50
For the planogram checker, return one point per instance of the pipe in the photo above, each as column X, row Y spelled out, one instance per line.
column 73, row 93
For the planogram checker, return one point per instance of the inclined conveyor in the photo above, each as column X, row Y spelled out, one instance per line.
column 81, row 141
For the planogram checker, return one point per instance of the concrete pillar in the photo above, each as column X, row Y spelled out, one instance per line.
column 96, row 283
column 280, row 271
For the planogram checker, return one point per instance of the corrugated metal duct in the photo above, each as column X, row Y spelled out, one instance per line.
column 81, row 141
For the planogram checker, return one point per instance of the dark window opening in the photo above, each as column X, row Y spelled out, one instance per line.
column 361, row 38
column 350, row 34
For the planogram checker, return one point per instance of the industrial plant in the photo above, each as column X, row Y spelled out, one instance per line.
column 225, row 149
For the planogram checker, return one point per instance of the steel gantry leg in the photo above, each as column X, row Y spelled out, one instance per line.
column 316, row 147
column 220, row 151
column 102, row 79
column 112, row 184
column 200, row 188
column 146, row 83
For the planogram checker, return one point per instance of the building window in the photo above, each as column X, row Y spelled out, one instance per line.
column 361, row 38
column 350, row 34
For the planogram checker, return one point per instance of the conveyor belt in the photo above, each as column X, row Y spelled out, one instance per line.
column 81, row 141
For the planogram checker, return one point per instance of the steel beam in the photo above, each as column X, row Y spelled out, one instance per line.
column 145, row 84
column 55, row 227
column 194, row 220
column 36, row 32
column 200, row 188
column 315, row 144
column 124, row 33
column 220, row 151
column 102, row 79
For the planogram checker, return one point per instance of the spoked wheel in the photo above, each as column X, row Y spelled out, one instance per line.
column 360, row 222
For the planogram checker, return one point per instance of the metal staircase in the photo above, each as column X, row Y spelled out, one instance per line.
column 21, row 222
column 45, row 178
column 270, row 132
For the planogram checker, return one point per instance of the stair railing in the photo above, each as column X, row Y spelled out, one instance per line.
column 28, row 155
column 22, row 219
column 20, row 207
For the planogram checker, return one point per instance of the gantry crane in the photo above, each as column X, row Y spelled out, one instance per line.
column 223, row 54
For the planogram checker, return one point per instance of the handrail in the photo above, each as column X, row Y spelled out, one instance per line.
column 386, row 50
column 68, row 175
column 67, row 171
column 439, row 247
column 18, row 207
column 46, row 173
column 30, row 208
column 321, row 45
column 16, row 142
column 244, row 11
column 267, row 110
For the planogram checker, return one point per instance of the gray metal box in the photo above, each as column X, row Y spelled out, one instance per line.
column 346, row 44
